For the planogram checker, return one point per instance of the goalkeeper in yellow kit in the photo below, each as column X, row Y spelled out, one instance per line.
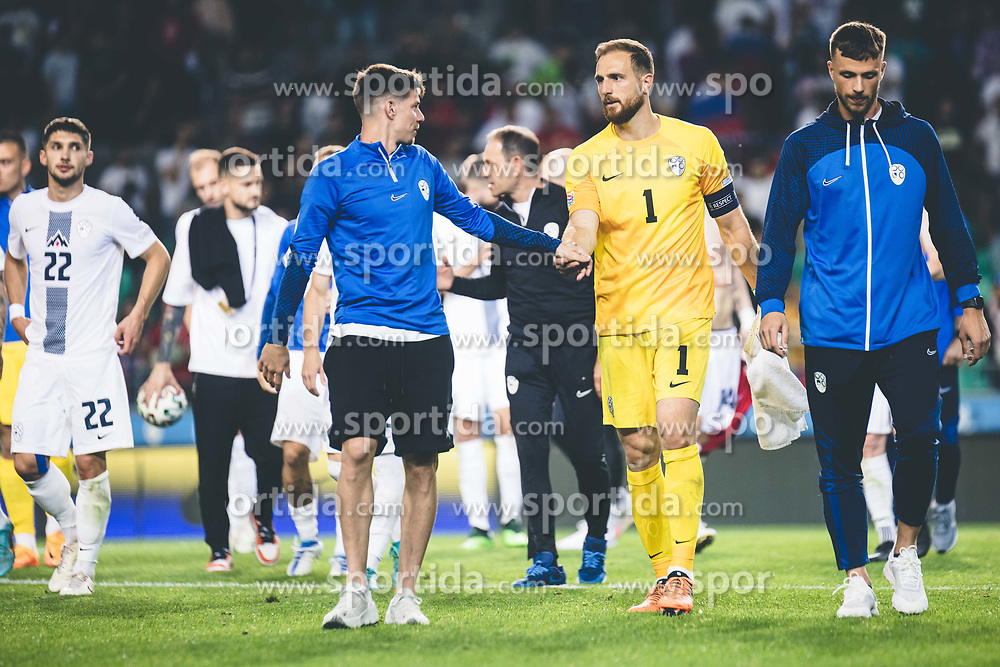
column 637, row 193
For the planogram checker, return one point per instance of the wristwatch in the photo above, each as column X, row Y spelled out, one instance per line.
column 975, row 302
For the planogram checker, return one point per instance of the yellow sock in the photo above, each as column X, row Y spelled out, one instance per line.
column 647, row 488
column 685, row 488
column 20, row 505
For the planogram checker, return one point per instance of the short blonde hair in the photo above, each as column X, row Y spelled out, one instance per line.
column 202, row 156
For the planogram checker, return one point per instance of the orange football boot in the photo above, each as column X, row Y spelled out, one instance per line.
column 53, row 548
column 653, row 597
column 678, row 597
column 25, row 557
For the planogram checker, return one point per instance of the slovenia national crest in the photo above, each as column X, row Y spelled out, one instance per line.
column 677, row 165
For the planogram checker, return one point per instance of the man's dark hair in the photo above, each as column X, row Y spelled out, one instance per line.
column 379, row 80
column 642, row 58
column 858, row 41
column 516, row 141
column 12, row 137
column 66, row 124
column 237, row 162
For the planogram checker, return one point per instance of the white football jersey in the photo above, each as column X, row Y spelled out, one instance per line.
column 472, row 323
column 74, row 250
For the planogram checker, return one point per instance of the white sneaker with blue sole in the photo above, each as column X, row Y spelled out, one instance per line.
column 304, row 554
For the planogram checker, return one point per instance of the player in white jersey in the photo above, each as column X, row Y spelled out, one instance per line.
column 72, row 386
column 722, row 378
column 478, row 334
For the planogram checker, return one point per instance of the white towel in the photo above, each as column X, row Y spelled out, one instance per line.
column 779, row 399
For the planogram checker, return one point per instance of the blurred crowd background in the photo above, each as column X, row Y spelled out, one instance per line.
column 156, row 80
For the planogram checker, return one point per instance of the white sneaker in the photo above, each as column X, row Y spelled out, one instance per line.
column 944, row 528
column 338, row 565
column 706, row 536
column 575, row 539
column 79, row 584
column 242, row 534
column 64, row 572
column 903, row 572
column 404, row 609
column 354, row 610
column 859, row 598
column 303, row 558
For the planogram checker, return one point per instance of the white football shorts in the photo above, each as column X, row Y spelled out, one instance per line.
column 62, row 398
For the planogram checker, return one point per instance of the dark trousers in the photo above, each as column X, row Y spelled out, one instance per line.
column 222, row 407
column 533, row 384
column 949, row 454
column 840, row 384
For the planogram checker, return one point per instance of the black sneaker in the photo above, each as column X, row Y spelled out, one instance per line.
column 923, row 540
column 881, row 553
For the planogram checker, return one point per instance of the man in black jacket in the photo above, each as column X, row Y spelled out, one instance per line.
column 551, row 352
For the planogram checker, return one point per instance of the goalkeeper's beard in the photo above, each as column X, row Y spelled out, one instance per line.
column 629, row 108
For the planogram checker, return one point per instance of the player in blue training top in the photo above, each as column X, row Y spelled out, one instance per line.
column 860, row 175
column 390, row 355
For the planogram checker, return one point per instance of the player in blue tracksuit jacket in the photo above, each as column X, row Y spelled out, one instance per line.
column 391, row 355
column 860, row 176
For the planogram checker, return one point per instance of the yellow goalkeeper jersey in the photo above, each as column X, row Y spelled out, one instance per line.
column 652, row 266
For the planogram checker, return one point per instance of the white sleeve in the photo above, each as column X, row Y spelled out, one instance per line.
column 179, row 290
column 324, row 261
column 15, row 243
column 129, row 231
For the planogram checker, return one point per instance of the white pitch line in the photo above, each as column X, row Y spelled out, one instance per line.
column 298, row 587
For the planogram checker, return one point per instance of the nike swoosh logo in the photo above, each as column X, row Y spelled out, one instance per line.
column 398, row 197
column 931, row 353
column 581, row 394
column 608, row 178
column 101, row 437
column 831, row 182
column 655, row 555
column 673, row 386
column 944, row 390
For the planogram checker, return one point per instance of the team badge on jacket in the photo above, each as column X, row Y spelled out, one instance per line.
column 677, row 165
column 820, row 380
column 897, row 173
column 512, row 384
column 425, row 189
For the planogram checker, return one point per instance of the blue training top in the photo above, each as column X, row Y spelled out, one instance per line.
column 861, row 187
column 375, row 212
column 295, row 336
column 9, row 335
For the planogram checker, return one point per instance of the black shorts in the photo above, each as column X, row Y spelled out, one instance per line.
column 373, row 381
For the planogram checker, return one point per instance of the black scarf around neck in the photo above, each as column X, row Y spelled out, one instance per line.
column 215, row 260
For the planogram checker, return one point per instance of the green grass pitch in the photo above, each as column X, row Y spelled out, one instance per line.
column 154, row 604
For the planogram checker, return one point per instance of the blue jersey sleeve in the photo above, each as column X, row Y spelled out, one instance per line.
column 267, row 321
column 479, row 222
column 317, row 211
column 948, row 227
column 786, row 206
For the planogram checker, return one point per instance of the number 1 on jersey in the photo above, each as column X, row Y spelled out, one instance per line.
column 650, row 214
